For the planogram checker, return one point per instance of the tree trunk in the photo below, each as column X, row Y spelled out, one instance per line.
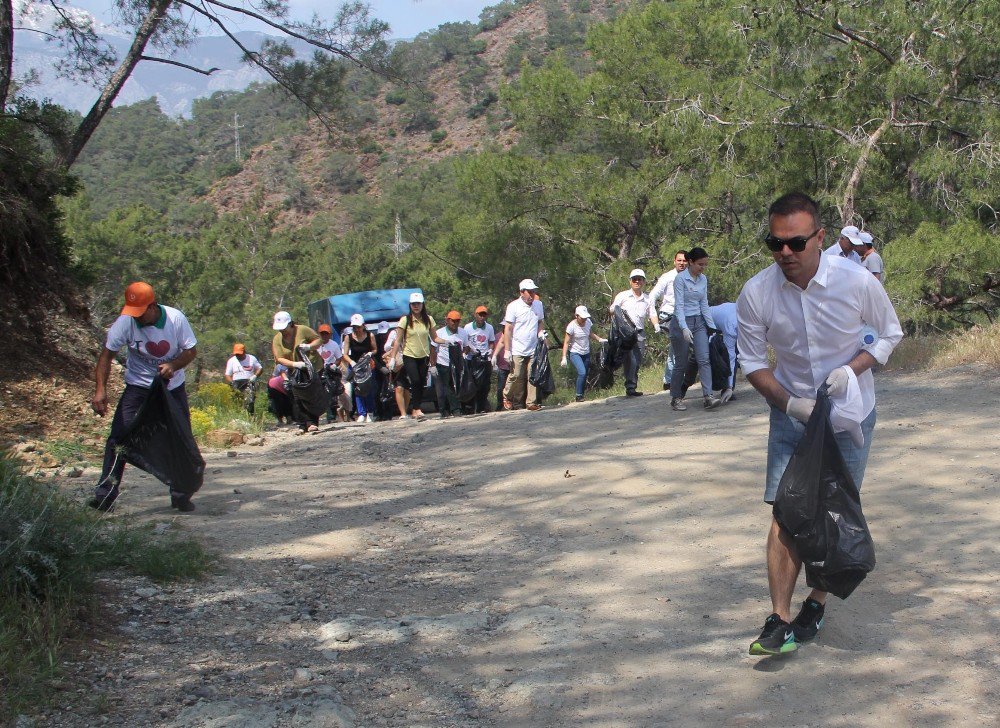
column 631, row 229
column 847, row 210
column 6, row 49
column 114, row 85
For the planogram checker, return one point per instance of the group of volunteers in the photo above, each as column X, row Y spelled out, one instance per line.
column 807, row 307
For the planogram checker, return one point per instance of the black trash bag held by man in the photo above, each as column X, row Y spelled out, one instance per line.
column 819, row 504
column 308, row 391
column 159, row 440
column 718, row 357
column 540, row 375
column 472, row 379
column 623, row 336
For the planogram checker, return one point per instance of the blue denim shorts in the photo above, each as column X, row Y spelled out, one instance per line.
column 784, row 437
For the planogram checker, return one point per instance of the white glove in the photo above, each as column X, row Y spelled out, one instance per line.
column 304, row 346
column 800, row 408
column 543, row 335
column 688, row 336
column 493, row 360
column 509, row 356
column 837, row 381
column 563, row 362
column 656, row 326
column 603, row 341
column 298, row 365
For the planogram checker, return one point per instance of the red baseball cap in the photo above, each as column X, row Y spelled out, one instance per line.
column 325, row 329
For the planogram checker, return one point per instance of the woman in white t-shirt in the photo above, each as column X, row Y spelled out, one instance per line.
column 576, row 344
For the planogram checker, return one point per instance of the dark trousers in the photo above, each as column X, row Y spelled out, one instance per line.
column 633, row 360
column 502, row 375
column 125, row 412
column 447, row 396
column 416, row 374
column 482, row 401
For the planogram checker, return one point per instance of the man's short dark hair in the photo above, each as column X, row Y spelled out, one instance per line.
column 792, row 203
column 681, row 252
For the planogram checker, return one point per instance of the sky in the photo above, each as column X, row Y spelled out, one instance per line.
column 407, row 17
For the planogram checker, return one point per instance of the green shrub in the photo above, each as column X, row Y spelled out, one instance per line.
column 370, row 147
column 51, row 550
column 396, row 98
column 438, row 136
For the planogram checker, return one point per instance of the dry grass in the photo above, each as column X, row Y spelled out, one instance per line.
column 978, row 345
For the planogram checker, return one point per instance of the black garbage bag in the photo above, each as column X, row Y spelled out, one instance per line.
column 624, row 333
column 363, row 375
column 472, row 378
column 603, row 375
column 308, row 392
column 541, row 371
column 159, row 440
column 718, row 355
column 333, row 379
column 480, row 369
column 387, row 406
column 690, row 371
column 818, row 503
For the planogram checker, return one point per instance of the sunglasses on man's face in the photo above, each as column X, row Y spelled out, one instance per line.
column 796, row 244
column 638, row 280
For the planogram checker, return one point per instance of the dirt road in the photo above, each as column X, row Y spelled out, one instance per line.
column 596, row 564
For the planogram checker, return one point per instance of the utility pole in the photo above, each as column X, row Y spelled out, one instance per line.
column 236, row 134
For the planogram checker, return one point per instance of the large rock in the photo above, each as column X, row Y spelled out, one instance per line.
column 224, row 438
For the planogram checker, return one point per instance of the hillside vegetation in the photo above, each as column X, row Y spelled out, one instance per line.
column 568, row 141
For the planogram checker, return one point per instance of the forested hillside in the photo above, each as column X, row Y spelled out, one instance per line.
column 567, row 141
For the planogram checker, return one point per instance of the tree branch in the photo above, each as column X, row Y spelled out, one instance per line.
column 202, row 71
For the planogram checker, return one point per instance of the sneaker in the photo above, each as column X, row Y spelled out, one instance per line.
column 711, row 402
column 777, row 638
column 666, row 387
column 579, row 398
column 677, row 404
column 182, row 503
column 633, row 393
column 533, row 407
column 727, row 394
column 371, row 418
column 809, row 620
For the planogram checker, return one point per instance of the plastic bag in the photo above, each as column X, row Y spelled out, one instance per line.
column 159, row 440
column 603, row 375
column 718, row 356
column 308, row 393
column 333, row 378
column 819, row 504
column 540, row 375
column 624, row 333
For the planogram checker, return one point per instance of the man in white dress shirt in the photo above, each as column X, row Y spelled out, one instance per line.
column 849, row 245
column 664, row 289
column 639, row 307
column 810, row 308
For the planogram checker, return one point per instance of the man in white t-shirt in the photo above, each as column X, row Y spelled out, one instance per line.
column 452, row 333
column 639, row 307
column 160, row 343
column 481, row 341
column 664, row 289
column 241, row 373
column 523, row 325
column 871, row 259
column 849, row 245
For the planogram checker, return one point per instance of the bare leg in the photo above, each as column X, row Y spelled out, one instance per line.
column 402, row 399
column 783, row 566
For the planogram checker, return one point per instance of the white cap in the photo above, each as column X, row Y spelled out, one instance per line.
column 582, row 312
column 281, row 320
column 853, row 234
column 357, row 320
column 637, row 272
column 866, row 238
column 416, row 298
column 383, row 327
column 527, row 285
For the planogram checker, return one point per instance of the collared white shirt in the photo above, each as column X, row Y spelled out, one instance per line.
column 524, row 319
column 637, row 307
column 691, row 298
column 835, row 250
column 816, row 330
column 664, row 289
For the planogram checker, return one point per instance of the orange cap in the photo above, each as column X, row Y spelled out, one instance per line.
column 138, row 296
column 239, row 349
column 324, row 329
column 454, row 316
column 482, row 309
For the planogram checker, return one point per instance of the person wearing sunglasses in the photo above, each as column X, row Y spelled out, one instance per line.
column 639, row 306
column 810, row 309
column 849, row 245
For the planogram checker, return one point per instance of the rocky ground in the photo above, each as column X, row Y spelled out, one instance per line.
column 595, row 564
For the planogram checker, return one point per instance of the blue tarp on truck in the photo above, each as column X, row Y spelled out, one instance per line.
column 387, row 304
